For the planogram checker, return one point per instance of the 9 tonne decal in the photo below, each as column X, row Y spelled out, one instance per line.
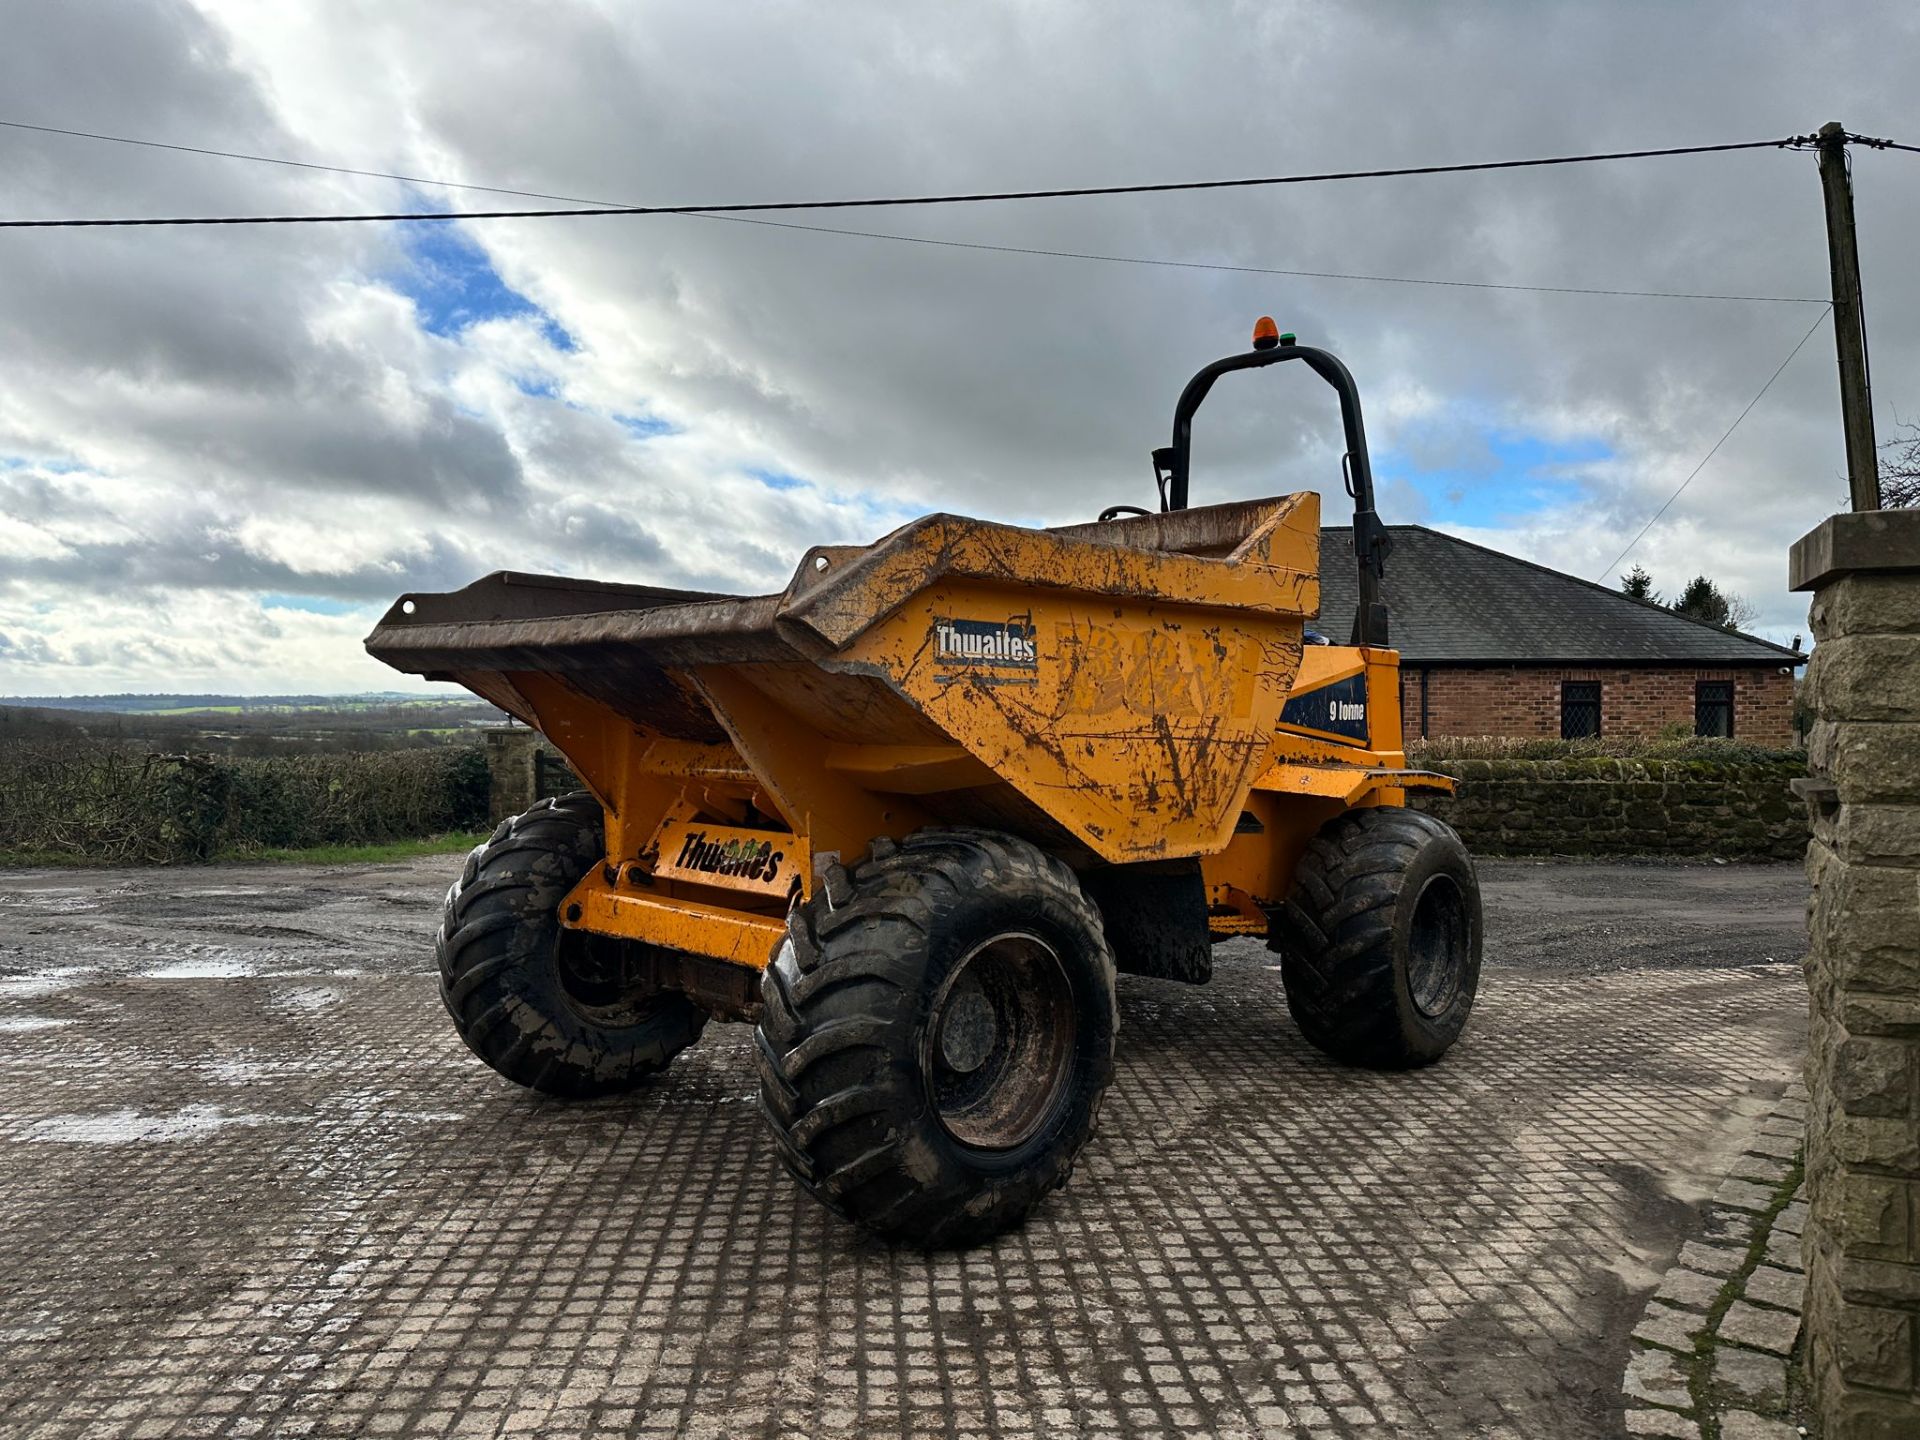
column 1339, row 708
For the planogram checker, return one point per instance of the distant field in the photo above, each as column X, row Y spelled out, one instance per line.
column 252, row 725
column 358, row 707
column 198, row 704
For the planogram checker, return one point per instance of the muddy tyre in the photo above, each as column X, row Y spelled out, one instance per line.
column 553, row 1009
column 936, row 1036
column 1380, row 939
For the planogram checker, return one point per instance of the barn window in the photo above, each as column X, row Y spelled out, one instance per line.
column 1713, row 708
column 1579, row 708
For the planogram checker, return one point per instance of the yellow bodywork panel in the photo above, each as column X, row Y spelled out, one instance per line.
column 1132, row 697
column 1338, row 748
column 1272, row 566
column 1135, row 729
column 718, row 932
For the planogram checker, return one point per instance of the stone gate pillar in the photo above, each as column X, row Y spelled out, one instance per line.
column 512, row 760
column 1862, row 1326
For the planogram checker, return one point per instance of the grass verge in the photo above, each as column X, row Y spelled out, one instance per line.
column 455, row 844
column 45, row 860
column 452, row 844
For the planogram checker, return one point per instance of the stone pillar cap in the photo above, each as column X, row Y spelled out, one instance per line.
column 1858, row 542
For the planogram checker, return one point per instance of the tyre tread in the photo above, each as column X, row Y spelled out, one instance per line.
column 840, row 1100
column 494, row 946
column 1335, row 933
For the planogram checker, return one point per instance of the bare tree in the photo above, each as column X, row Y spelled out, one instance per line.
column 1900, row 469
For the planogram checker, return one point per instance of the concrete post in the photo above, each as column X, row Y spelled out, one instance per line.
column 1862, row 1324
column 512, row 755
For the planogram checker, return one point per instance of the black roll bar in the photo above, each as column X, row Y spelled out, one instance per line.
column 1371, row 543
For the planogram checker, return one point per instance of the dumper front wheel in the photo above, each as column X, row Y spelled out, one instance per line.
column 936, row 1036
column 1380, row 938
column 557, row 1010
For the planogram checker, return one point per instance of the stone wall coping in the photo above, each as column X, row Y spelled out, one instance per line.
column 1859, row 542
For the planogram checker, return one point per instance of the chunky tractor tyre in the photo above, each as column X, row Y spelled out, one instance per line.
column 936, row 1035
column 554, row 1009
column 1380, row 939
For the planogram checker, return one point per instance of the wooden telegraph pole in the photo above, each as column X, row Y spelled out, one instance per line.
column 1849, row 324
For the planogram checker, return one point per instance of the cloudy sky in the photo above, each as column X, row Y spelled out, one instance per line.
column 222, row 452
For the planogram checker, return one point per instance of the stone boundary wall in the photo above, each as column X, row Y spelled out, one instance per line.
column 1684, row 808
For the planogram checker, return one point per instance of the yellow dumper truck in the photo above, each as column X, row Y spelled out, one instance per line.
column 910, row 815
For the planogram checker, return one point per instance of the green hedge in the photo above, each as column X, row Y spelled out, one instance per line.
column 1435, row 753
column 78, row 799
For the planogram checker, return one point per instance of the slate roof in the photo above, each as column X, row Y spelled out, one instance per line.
column 1453, row 602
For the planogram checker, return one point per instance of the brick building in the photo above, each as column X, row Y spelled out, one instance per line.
column 1493, row 645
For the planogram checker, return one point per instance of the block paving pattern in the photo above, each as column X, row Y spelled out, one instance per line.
column 1710, row 1357
column 251, row 1184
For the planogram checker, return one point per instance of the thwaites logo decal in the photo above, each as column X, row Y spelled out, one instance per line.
column 718, row 855
column 1336, row 709
column 991, row 652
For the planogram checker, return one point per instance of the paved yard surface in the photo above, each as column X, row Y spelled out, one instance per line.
column 250, row 1183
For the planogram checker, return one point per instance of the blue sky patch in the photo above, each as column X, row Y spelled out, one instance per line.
column 453, row 284
column 779, row 480
column 312, row 604
column 645, row 427
column 51, row 467
column 1509, row 476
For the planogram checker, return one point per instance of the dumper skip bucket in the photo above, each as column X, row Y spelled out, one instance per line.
column 1110, row 686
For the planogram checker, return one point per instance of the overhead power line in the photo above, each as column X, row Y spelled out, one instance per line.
column 1873, row 143
column 1780, row 369
column 292, row 163
column 941, row 242
column 895, row 201
column 1268, row 269
column 742, row 213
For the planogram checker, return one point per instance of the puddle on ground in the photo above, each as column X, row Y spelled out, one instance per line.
column 130, row 1127
column 205, row 967
column 54, row 902
column 236, row 1071
column 26, row 1024
column 45, row 982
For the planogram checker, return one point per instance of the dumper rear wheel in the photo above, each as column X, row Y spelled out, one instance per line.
column 557, row 1010
column 936, row 1036
column 1380, row 938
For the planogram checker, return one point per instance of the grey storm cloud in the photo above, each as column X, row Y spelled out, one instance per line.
column 202, row 557
column 236, row 390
